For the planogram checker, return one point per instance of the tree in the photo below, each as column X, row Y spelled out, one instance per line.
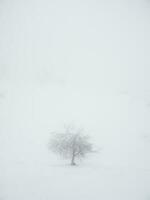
column 72, row 144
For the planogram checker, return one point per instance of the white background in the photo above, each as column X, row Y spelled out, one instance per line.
column 80, row 62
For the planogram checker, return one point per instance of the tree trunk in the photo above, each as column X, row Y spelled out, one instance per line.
column 73, row 160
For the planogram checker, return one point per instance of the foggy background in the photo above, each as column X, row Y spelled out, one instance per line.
column 80, row 62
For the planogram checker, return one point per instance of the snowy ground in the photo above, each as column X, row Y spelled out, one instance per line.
column 57, row 181
column 29, row 171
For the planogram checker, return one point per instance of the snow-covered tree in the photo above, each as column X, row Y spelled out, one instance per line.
column 72, row 144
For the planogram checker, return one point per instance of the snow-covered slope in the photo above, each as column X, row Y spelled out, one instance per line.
column 30, row 171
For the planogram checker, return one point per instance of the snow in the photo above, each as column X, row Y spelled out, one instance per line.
column 79, row 62
column 29, row 171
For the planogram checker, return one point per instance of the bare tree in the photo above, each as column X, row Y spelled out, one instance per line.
column 71, row 144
